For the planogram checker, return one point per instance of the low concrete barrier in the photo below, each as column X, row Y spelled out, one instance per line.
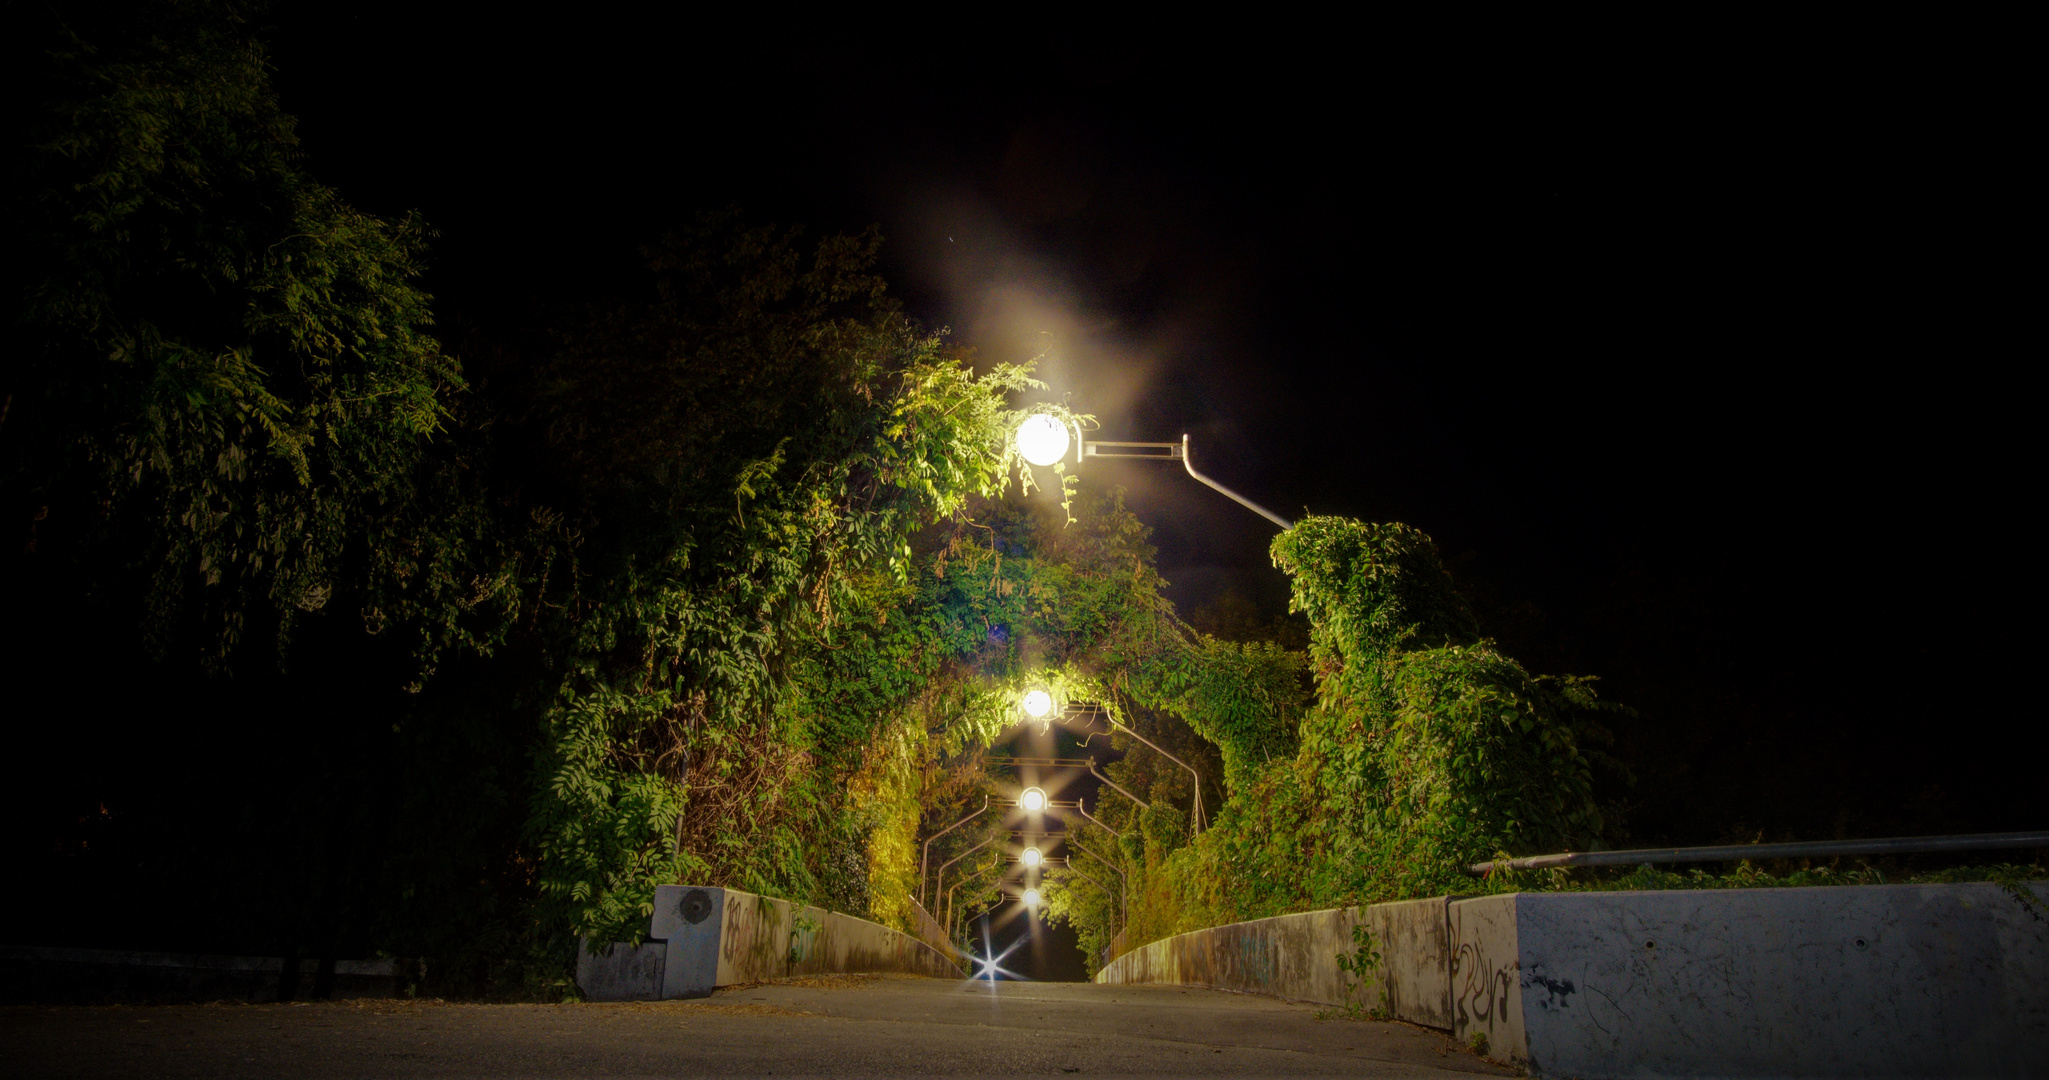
column 1880, row 980
column 51, row 976
column 703, row 938
column 926, row 929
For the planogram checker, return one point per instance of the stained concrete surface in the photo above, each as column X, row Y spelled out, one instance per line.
column 819, row 1026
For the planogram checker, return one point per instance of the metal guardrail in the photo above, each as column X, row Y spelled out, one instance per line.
column 1900, row 845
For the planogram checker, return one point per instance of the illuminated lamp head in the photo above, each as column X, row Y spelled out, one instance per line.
column 1032, row 857
column 1037, row 704
column 1033, row 800
column 1042, row 439
column 1031, row 897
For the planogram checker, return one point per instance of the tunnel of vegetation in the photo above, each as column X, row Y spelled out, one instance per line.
column 731, row 583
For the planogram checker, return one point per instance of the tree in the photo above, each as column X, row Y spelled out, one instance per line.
column 221, row 370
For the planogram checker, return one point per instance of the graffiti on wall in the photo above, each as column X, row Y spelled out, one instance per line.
column 1479, row 987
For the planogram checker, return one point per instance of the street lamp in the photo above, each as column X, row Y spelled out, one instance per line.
column 1043, row 440
column 1031, row 898
column 1032, row 857
column 1195, row 809
column 1032, row 801
column 1037, row 703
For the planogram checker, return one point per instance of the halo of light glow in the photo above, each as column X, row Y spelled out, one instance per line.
column 1037, row 703
column 1031, row 897
column 1042, row 439
column 1032, row 857
column 1033, row 800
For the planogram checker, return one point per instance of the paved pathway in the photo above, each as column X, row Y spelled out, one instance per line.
column 831, row 1026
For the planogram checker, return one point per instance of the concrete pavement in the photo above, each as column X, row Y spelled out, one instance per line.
column 820, row 1026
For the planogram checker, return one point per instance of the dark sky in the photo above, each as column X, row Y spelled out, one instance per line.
column 1702, row 366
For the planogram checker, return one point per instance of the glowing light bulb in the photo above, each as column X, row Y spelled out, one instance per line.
column 1033, row 800
column 1042, row 439
column 1031, row 898
column 1037, row 703
column 1032, row 857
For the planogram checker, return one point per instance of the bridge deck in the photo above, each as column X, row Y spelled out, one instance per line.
column 825, row 1026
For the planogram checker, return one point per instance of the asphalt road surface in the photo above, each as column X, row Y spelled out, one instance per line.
column 831, row 1026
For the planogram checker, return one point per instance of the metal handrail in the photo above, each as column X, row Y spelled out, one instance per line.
column 1899, row 845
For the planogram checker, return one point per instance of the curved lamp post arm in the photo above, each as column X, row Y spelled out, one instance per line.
column 941, row 876
column 972, row 897
column 1196, row 809
column 926, row 861
column 1189, row 463
column 1142, row 804
column 1091, row 879
column 1122, row 914
column 1166, row 451
column 1085, row 810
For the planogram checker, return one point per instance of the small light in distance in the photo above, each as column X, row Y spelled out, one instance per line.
column 1031, row 897
column 1042, row 439
column 1033, row 800
column 1037, row 703
column 1032, row 857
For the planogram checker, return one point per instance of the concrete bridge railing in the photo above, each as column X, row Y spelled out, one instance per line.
column 1877, row 980
column 701, row 938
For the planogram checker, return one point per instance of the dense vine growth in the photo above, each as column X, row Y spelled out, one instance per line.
column 728, row 583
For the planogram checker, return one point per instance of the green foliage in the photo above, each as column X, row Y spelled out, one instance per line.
column 725, row 565
column 1355, row 968
column 1164, row 826
column 1370, row 590
column 754, row 452
column 1426, row 749
column 221, row 369
column 1745, row 875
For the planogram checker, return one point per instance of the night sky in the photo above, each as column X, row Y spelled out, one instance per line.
column 1701, row 366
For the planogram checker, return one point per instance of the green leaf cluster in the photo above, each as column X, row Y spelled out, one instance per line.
column 220, row 369
column 1426, row 748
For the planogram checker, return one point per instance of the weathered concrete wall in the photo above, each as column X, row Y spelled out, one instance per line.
column 621, row 972
column 1484, row 973
column 1295, row 957
column 1288, row 956
column 49, row 976
column 703, row 938
column 1886, row 980
column 1413, row 982
column 1882, row 980
column 926, row 929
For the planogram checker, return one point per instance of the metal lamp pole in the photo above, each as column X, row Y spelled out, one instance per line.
column 941, row 876
column 1090, row 878
column 926, row 861
column 1042, row 440
column 1142, row 804
column 1114, row 834
column 1195, row 809
column 1122, row 913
